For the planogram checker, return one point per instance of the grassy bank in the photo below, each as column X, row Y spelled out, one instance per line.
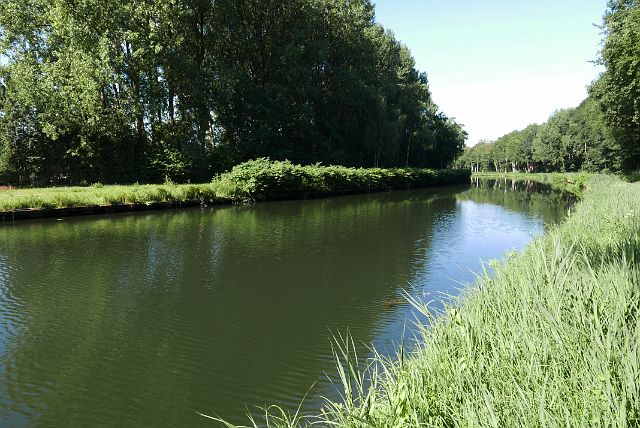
column 549, row 339
column 258, row 180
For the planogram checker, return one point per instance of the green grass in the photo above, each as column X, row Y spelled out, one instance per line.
column 550, row 338
column 256, row 180
column 66, row 197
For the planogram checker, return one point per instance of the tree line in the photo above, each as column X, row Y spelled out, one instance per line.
column 602, row 134
column 148, row 90
column 576, row 139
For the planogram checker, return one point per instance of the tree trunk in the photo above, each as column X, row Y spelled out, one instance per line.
column 406, row 165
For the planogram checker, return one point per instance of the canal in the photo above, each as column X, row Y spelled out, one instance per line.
column 147, row 319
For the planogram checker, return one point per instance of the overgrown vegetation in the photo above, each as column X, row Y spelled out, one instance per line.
column 549, row 338
column 120, row 92
column 632, row 176
column 263, row 178
column 258, row 179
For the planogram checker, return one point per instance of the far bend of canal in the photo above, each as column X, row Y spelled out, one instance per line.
column 146, row 319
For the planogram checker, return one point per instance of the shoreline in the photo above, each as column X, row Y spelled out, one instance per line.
column 136, row 198
column 150, row 197
column 42, row 213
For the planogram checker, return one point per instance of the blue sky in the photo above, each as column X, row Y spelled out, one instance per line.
column 495, row 65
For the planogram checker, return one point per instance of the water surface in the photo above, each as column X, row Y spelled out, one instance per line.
column 146, row 319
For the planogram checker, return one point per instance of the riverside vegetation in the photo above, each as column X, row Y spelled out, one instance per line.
column 119, row 92
column 257, row 180
column 548, row 338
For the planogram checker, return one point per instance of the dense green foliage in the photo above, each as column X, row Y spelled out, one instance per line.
column 126, row 91
column 548, row 339
column 259, row 179
column 263, row 178
column 577, row 139
column 618, row 89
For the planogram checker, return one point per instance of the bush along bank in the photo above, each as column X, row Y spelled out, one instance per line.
column 549, row 338
column 264, row 179
column 260, row 179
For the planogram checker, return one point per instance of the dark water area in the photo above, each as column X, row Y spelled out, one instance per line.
column 146, row 319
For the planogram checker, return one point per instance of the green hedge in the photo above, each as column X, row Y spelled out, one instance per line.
column 264, row 179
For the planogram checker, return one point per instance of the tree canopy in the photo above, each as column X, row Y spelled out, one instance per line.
column 95, row 90
column 618, row 89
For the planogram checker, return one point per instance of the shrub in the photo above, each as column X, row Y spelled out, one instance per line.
column 263, row 179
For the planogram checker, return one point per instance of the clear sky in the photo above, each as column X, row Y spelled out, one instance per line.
column 495, row 65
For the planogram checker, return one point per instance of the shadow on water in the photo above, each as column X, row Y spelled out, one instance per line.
column 146, row 319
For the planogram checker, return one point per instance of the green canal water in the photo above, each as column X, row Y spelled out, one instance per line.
column 147, row 319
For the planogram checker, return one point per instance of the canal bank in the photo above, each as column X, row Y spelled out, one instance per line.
column 258, row 180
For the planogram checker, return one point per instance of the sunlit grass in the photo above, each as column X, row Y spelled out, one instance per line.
column 65, row 197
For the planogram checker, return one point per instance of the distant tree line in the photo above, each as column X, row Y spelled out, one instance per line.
column 123, row 91
column 602, row 134
column 575, row 139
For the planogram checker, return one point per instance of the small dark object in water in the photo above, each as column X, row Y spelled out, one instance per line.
column 390, row 303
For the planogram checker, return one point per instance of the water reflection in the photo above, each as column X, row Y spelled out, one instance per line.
column 145, row 319
column 521, row 196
